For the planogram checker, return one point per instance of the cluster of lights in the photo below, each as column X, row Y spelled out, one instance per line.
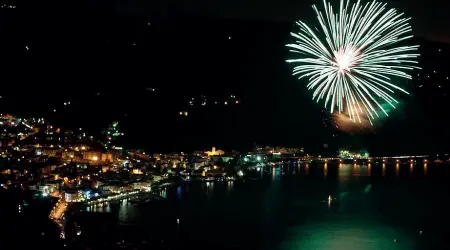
column 5, row 6
column 438, row 76
column 203, row 101
column 118, row 196
column 112, row 132
column 62, row 206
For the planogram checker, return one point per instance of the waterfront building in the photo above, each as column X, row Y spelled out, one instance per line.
column 71, row 195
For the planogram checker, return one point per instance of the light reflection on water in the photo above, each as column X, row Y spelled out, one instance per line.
column 230, row 186
column 397, row 170
column 301, row 208
column 346, row 229
column 163, row 193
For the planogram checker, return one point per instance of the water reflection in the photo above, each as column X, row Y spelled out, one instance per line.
column 411, row 170
column 346, row 171
column 284, row 200
column 179, row 192
column 209, row 189
column 163, row 193
column 274, row 173
column 397, row 170
column 356, row 170
column 230, row 186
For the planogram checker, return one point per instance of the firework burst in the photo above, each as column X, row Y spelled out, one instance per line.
column 351, row 59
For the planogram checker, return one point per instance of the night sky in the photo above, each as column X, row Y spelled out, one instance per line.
column 429, row 18
column 104, row 56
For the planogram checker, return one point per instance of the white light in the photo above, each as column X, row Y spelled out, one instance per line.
column 344, row 58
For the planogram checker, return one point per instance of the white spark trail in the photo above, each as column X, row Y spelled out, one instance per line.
column 352, row 58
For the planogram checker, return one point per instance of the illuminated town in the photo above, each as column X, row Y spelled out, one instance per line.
column 75, row 167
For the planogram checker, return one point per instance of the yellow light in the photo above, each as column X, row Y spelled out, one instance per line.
column 83, row 148
column 95, row 158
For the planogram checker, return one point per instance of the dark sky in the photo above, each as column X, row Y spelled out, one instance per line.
column 430, row 18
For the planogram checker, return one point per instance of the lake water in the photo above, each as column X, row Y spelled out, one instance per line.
column 326, row 206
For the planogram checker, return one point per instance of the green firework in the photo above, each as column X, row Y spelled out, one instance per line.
column 353, row 57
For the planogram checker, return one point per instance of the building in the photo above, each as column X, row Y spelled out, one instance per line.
column 143, row 156
column 69, row 155
column 215, row 152
column 108, row 157
column 50, row 152
column 92, row 156
column 71, row 195
column 200, row 163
